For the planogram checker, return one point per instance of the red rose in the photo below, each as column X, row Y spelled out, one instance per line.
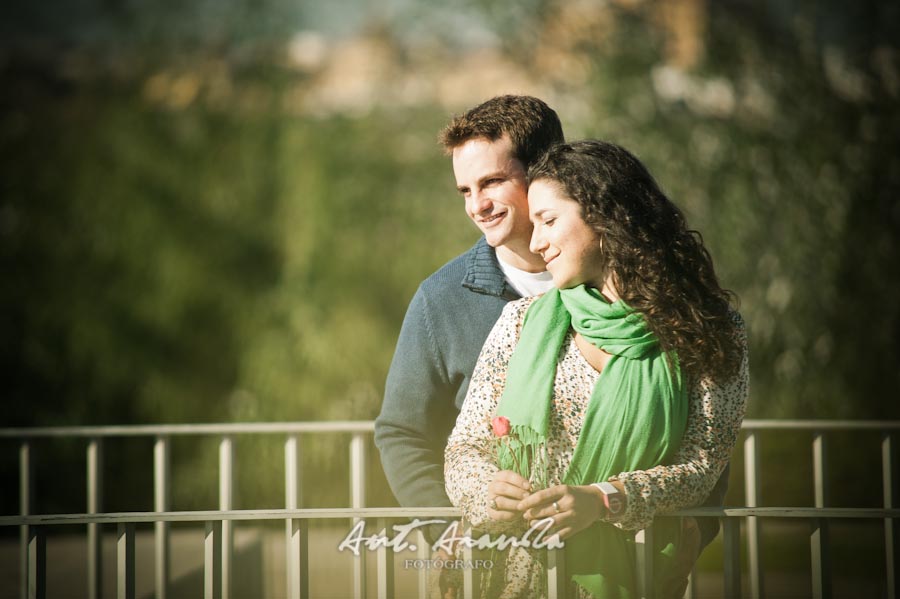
column 500, row 424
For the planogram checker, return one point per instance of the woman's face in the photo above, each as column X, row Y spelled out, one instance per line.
column 569, row 247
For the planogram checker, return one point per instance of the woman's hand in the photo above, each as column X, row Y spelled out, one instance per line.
column 573, row 508
column 505, row 492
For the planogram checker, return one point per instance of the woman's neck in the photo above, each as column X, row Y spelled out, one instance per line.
column 608, row 290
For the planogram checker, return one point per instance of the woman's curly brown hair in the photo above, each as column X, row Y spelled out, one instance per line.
column 660, row 267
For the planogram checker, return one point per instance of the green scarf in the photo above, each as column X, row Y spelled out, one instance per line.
column 634, row 421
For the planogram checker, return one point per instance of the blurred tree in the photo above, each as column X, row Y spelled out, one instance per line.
column 195, row 226
column 769, row 126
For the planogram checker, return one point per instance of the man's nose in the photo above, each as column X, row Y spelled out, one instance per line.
column 479, row 202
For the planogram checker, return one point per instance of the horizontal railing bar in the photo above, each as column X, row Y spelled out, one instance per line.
column 363, row 426
column 787, row 512
column 324, row 426
column 822, row 425
column 209, row 515
column 400, row 513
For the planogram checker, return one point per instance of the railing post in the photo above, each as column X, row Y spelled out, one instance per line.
column 37, row 564
column 890, row 531
column 26, row 490
column 212, row 560
column 226, row 503
column 470, row 578
column 95, row 506
column 296, row 530
column 358, row 470
column 732, row 546
column 358, row 501
column 819, row 537
column 125, row 561
column 161, row 499
column 385, row 565
column 557, row 580
column 423, row 552
column 751, row 498
column 644, row 545
column 298, row 553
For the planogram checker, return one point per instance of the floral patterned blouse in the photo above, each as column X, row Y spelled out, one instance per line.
column 714, row 419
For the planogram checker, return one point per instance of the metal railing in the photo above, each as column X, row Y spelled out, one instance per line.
column 162, row 436
column 819, row 537
column 218, row 540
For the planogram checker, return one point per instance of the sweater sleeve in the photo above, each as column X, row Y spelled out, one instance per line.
column 714, row 421
column 470, row 464
column 415, row 417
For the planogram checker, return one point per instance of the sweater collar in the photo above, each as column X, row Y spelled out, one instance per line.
column 483, row 274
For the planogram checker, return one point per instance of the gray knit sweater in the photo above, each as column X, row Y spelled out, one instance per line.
column 445, row 326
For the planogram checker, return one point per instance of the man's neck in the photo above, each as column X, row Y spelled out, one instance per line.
column 521, row 258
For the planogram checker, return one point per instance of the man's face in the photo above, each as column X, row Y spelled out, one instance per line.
column 493, row 184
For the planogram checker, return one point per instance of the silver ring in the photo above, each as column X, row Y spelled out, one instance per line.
column 493, row 503
column 556, row 507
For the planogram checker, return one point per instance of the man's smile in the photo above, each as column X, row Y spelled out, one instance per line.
column 493, row 218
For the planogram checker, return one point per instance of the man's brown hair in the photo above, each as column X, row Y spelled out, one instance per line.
column 532, row 126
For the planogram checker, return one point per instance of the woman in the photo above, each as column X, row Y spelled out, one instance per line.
column 633, row 372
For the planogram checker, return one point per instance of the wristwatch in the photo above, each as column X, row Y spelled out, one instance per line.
column 613, row 499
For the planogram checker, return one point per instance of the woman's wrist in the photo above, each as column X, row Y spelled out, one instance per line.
column 613, row 500
column 601, row 507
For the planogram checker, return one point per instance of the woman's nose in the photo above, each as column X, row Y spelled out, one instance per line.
column 538, row 243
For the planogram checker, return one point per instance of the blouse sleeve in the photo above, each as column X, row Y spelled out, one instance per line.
column 715, row 414
column 469, row 463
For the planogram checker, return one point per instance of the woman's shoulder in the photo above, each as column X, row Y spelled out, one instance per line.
column 513, row 314
column 740, row 375
column 738, row 327
column 735, row 316
column 515, row 310
column 520, row 306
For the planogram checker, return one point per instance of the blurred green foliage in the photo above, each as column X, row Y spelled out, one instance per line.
column 182, row 240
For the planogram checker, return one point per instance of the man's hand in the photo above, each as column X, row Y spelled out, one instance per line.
column 505, row 492
column 573, row 508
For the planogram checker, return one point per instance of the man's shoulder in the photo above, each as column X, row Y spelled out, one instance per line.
column 455, row 275
column 453, row 271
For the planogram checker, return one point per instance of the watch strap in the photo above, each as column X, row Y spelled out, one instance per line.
column 613, row 500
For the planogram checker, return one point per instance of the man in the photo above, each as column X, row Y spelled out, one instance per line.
column 453, row 310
